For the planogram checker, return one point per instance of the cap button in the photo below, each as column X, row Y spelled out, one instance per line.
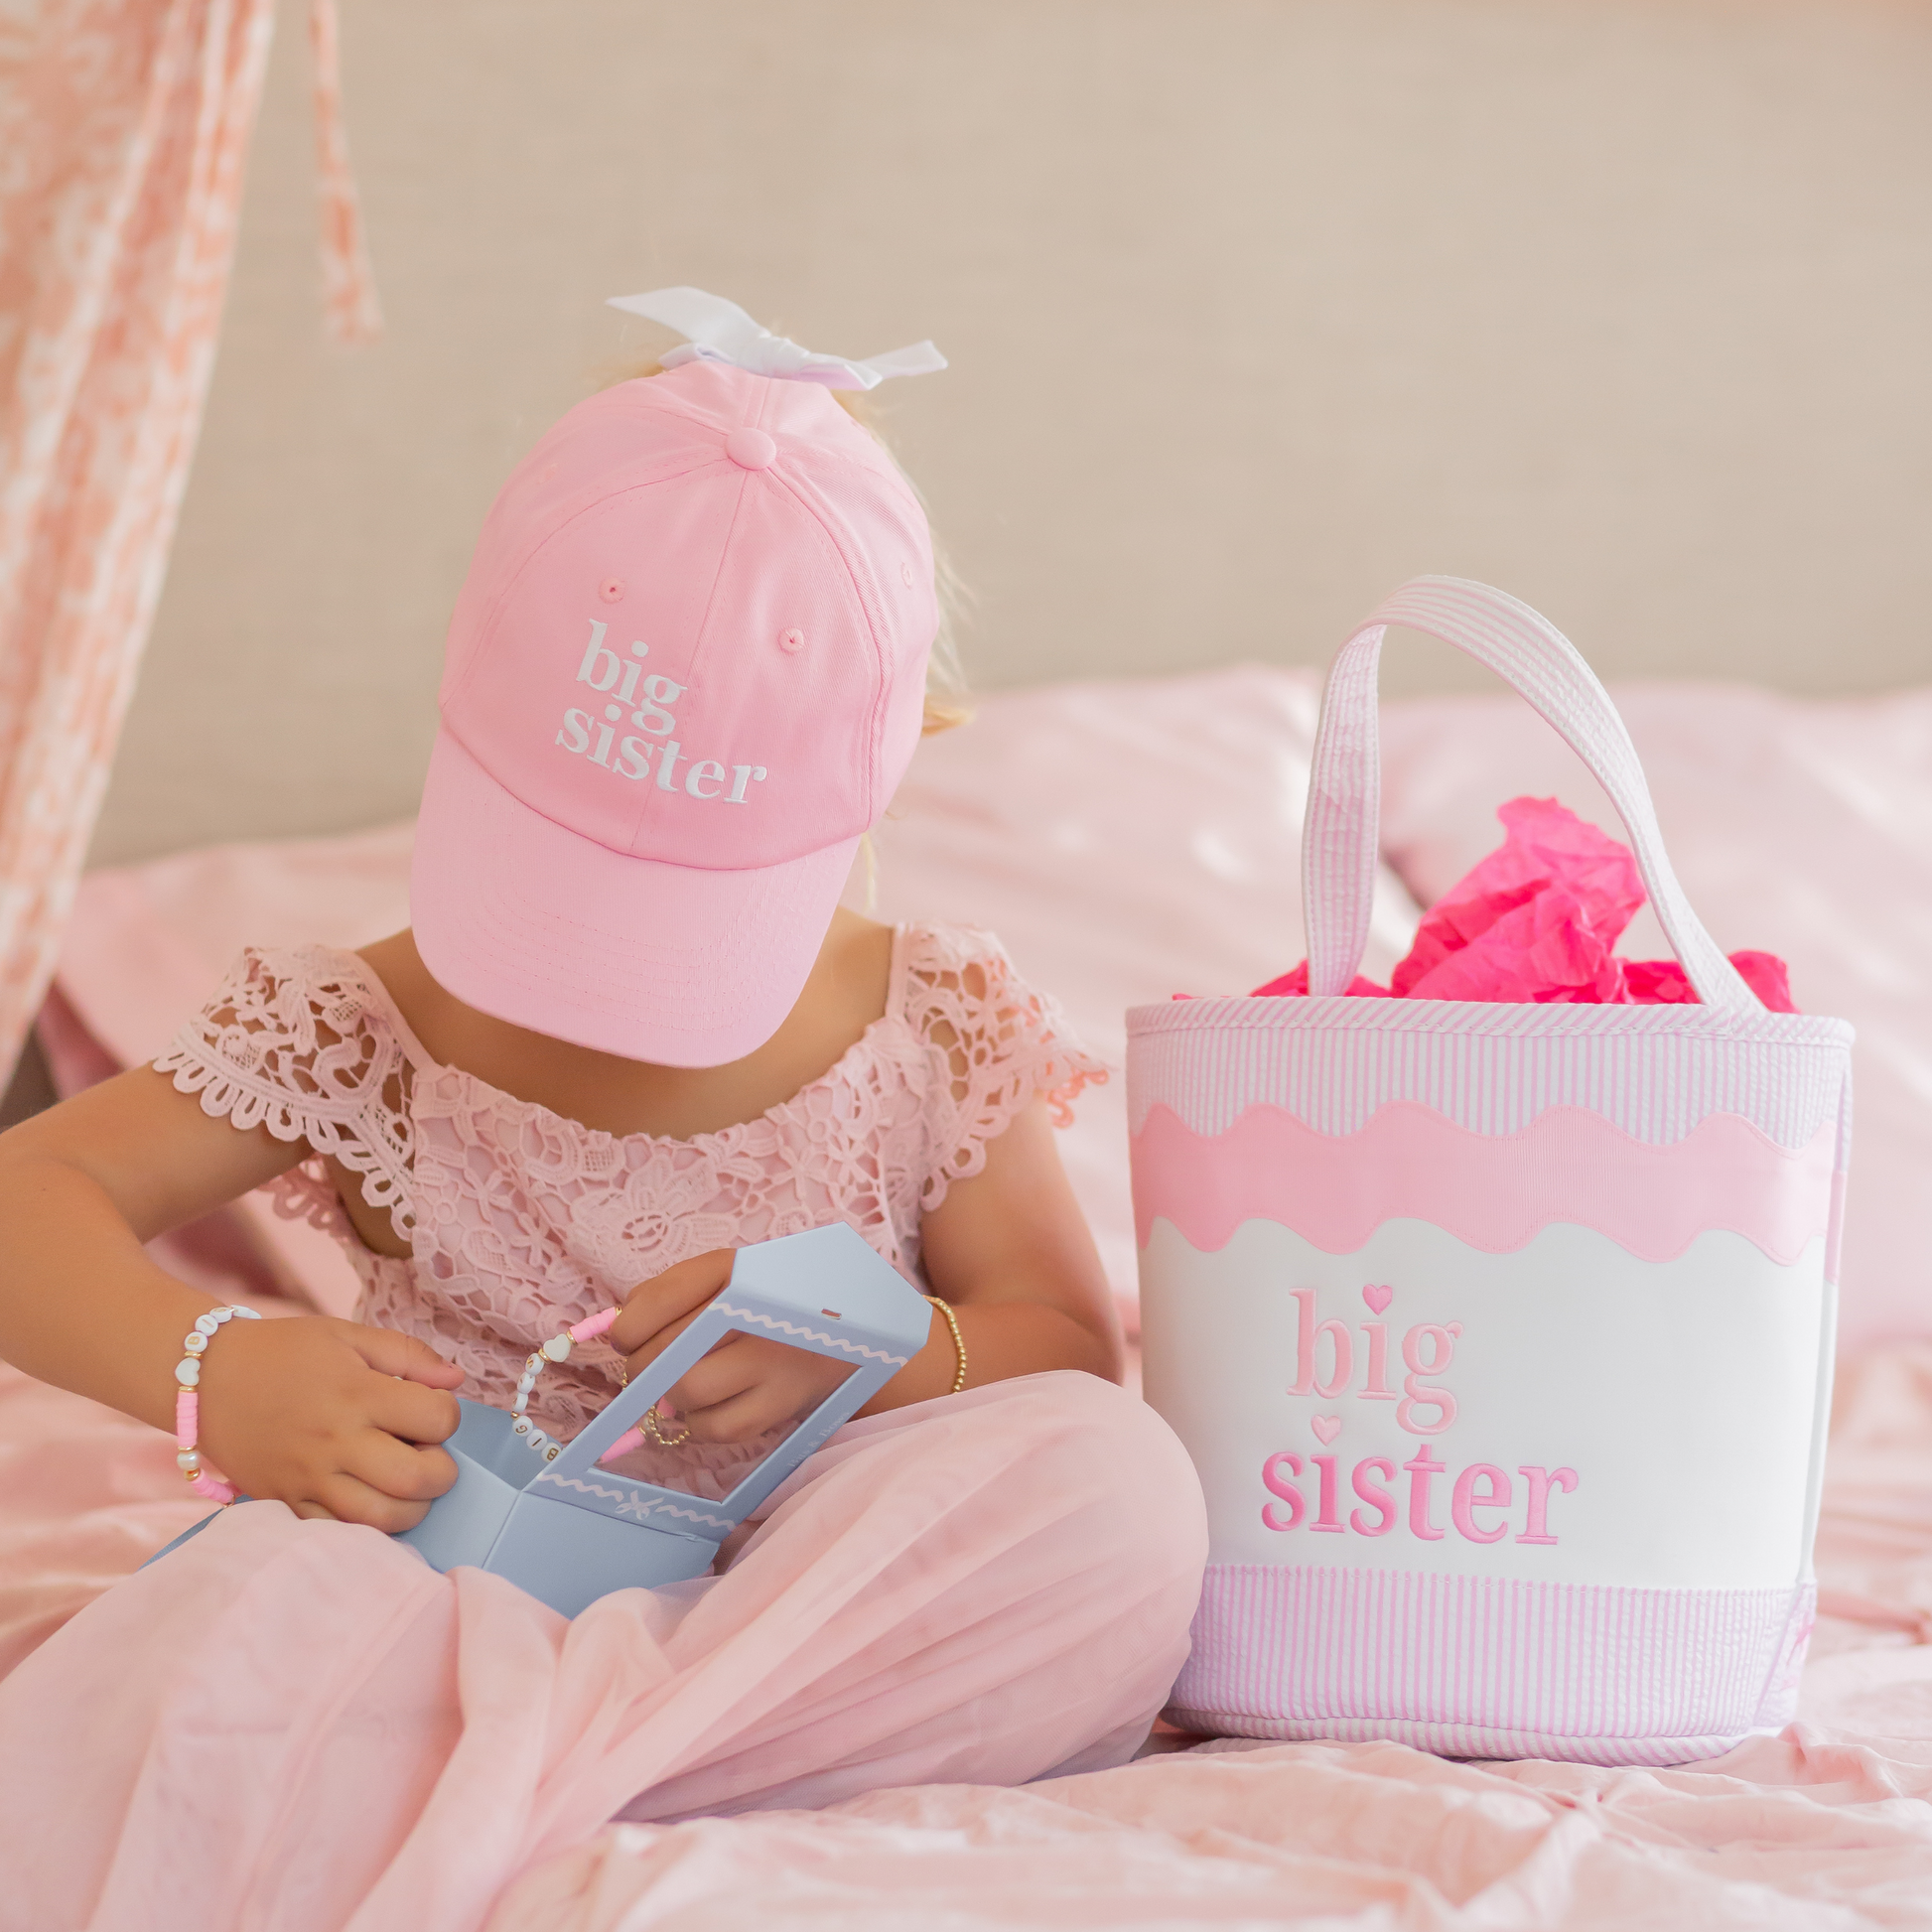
column 750, row 449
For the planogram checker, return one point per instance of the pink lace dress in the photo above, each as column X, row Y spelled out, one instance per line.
column 521, row 1221
column 301, row 1725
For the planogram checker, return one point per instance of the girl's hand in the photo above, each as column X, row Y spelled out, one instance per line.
column 746, row 1384
column 334, row 1418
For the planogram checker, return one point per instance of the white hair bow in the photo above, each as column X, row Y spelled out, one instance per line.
column 721, row 332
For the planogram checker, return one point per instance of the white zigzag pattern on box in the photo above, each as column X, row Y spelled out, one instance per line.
column 631, row 1503
column 812, row 1335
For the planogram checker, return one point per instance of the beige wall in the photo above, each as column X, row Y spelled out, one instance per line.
column 1255, row 306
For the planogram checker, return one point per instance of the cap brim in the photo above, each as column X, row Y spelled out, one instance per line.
column 537, row 926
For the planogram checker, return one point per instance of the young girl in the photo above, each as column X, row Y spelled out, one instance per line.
column 628, row 1030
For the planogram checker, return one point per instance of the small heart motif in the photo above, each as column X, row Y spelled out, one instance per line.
column 1378, row 1297
column 1326, row 1427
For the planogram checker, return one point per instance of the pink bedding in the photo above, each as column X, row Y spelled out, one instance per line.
column 1127, row 841
column 1803, row 1832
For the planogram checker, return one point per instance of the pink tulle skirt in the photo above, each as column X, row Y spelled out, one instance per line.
column 299, row 1724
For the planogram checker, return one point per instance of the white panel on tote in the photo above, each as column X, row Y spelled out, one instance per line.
column 1670, row 1451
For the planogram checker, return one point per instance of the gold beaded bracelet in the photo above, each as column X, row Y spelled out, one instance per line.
column 958, row 1341
column 653, row 1427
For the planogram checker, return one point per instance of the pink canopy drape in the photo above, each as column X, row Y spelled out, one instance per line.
column 123, row 128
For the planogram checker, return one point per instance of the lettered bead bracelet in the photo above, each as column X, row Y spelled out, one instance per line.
column 188, row 1403
column 557, row 1350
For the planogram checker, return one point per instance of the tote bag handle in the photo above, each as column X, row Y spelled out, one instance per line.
column 1341, row 837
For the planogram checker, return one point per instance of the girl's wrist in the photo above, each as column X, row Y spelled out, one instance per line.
column 944, row 1307
column 202, row 1480
column 935, row 1369
column 1002, row 1339
column 162, row 1347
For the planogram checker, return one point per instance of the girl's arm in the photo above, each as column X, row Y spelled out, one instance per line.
column 307, row 1410
column 1009, row 1249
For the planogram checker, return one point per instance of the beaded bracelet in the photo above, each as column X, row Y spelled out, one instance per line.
column 188, row 1403
column 958, row 1341
column 557, row 1350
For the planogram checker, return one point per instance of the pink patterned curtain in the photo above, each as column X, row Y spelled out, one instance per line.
column 347, row 284
column 123, row 127
column 123, row 124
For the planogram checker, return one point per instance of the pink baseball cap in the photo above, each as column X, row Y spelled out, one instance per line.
column 685, row 674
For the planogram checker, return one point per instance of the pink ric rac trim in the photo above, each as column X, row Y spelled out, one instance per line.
column 1494, row 1192
column 1491, row 1667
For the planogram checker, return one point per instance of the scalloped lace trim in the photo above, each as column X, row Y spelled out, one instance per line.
column 295, row 1041
column 998, row 1042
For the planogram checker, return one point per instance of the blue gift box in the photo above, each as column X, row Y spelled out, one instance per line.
column 555, row 1524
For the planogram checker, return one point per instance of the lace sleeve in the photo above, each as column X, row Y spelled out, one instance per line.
column 296, row 1043
column 997, row 1044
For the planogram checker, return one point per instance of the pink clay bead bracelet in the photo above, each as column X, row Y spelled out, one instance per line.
column 188, row 1403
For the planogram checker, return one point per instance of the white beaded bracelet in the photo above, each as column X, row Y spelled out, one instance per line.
column 188, row 1403
column 557, row 1350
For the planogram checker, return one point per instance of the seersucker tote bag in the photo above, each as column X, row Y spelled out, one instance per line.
column 1500, row 1334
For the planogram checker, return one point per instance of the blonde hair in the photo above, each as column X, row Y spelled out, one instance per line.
column 946, row 700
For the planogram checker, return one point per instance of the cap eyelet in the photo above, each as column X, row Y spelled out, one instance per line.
column 794, row 641
column 612, row 589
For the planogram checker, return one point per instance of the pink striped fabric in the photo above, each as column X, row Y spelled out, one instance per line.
column 1655, row 1071
column 1488, row 1667
column 1338, row 841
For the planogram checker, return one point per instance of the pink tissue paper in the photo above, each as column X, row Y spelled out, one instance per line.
column 1539, row 921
